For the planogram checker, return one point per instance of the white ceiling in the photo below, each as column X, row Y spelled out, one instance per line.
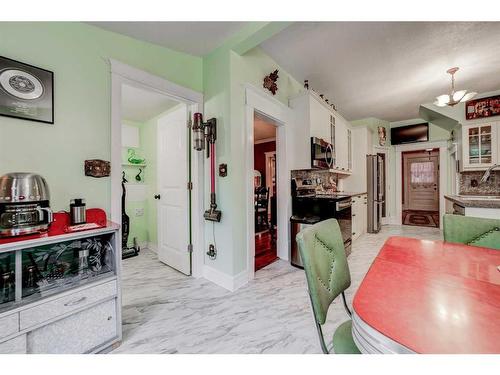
column 194, row 38
column 141, row 105
column 387, row 69
column 263, row 128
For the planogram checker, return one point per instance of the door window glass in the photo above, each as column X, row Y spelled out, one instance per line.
column 422, row 172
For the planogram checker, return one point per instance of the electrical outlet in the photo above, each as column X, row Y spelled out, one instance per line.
column 139, row 212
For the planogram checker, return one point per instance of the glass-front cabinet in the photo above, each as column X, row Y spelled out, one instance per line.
column 30, row 273
column 7, row 278
column 480, row 145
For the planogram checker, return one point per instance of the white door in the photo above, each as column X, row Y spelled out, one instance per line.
column 173, row 203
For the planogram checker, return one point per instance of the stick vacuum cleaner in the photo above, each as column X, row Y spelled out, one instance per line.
column 206, row 133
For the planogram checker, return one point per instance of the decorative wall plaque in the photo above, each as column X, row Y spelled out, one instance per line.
column 270, row 82
column 97, row 168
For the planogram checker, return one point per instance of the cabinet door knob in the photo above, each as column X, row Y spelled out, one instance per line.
column 353, row 214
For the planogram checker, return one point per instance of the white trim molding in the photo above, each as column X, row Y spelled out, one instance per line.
column 124, row 74
column 222, row 279
column 257, row 100
column 443, row 174
column 264, row 140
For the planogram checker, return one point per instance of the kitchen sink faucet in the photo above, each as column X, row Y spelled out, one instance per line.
column 486, row 174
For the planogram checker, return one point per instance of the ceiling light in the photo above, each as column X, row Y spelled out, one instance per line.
column 454, row 97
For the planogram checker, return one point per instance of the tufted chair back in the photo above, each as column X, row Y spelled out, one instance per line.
column 325, row 263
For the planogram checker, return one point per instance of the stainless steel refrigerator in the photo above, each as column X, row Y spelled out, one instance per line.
column 375, row 189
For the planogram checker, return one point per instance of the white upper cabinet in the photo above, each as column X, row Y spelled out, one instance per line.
column 314, row 118
column 480, row 145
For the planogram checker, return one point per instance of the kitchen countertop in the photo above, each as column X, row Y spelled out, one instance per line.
column 475, row 201
column 339, row 195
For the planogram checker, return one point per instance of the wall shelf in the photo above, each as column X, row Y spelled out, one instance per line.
column 134, row 165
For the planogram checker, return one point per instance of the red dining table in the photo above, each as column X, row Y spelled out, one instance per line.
column 422, row 296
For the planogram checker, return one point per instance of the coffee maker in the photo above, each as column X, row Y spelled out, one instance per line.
column 24, row 204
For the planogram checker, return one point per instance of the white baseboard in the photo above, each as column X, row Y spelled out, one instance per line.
column 151, row 246
column 224, row 280
column 391, row 220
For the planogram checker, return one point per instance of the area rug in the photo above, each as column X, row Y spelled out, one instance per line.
column 421, row 218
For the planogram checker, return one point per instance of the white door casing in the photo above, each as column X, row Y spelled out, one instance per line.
column 172, row 175
column 258, row 100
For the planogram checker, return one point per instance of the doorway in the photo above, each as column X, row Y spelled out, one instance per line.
column 265, row 192
column 170, row 172
column 420, row 188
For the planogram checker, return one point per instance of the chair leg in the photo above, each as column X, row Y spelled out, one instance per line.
column 345, row 305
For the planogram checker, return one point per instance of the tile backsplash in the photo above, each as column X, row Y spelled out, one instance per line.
column 470, row 183
column 316, row 178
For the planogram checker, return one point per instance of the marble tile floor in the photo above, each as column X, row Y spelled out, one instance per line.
column 167, row 312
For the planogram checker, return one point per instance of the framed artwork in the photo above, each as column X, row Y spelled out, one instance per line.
column 485, row 107
column 26, row 92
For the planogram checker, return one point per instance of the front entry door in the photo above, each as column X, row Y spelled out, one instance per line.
column 421, row 181
column 173, row 175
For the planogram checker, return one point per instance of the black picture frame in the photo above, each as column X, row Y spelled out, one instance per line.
column 28, row 96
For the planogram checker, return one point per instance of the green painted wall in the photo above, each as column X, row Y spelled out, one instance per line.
column 225, row 72
column 77, row 53
column 139, row 225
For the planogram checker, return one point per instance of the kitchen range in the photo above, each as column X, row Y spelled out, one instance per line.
column 314, row 199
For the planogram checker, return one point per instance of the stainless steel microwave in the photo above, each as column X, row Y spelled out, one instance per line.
column 322, row 154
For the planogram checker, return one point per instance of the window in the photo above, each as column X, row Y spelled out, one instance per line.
column 422, row 172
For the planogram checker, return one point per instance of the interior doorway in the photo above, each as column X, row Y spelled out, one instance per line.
column 155, row 172
column 265, row 190
column 420, row 188
column 164, row 174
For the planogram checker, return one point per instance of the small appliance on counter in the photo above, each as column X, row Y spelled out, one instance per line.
column 77, row 210
column 24, row 204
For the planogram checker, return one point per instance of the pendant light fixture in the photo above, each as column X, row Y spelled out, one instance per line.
column 454, row 97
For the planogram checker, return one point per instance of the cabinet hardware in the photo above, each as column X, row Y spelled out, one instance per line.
column 73, row 303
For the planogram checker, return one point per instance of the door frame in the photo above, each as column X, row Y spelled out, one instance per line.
column 443, row 174
column 257, row 100
column 125, row 74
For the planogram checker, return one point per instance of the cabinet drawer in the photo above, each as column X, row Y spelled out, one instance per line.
column 50, row 310
column 79, row 333
column 17, row 345
column 9, row 325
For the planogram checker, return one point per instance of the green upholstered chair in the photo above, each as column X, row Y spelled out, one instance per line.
column 325, row 263
column 474, row 231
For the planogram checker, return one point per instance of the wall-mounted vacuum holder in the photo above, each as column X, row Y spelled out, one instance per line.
column 205, row 135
